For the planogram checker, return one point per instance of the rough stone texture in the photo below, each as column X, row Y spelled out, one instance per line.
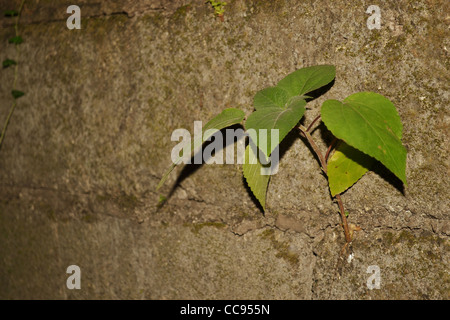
column 91, row 138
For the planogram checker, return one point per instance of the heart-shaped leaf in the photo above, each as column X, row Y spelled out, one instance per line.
column 307, row 79
column 370, row 123
column 226, row 118
column 271, row 97
column 255, row 179
column 345, row 167
column 274, row 118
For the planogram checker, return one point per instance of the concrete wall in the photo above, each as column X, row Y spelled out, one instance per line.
column 90, row 140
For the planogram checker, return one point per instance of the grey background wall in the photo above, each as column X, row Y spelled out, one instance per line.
column 91, row 138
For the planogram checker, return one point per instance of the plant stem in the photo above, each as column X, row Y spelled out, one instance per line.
column 16, row 71
column 316, row 149
column 329, row 148
column 323, row 163
column 5, row 126
column 312, row 123
column 348, row 238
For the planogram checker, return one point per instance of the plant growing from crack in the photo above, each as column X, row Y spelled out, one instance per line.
column 16, row 40
column 366, row 128
column 219, row 8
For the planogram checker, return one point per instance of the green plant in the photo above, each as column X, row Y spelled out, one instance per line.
column 16, row 40
column 219, row 7
column 366, row 128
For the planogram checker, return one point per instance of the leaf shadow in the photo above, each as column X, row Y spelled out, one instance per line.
column 252, row 196
column 192, row 167
column 388, row 176
column 319, row 92
column 377, row 167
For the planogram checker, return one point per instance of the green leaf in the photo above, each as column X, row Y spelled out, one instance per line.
column 370, row 123
column 8, row 62
column 345, row 167
column 11, row 13
column 16, row 40
column 161, row 201
column 295, row 84
column 256, row 181
column 225, row 119
column 274, row 118
column 307, row 79
column 17, row 94
column 271, row 97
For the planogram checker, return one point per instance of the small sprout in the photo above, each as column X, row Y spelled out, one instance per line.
column 11, row 13
column 17, row 94
column 219, row 7
column 8, row 62
column 161, row 201
column 16, row 40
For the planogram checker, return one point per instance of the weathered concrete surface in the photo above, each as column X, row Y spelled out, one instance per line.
column 91, row 138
